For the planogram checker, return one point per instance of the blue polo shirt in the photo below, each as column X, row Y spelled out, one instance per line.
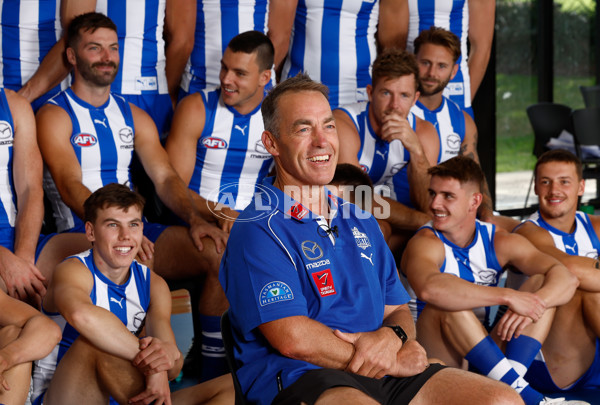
column 282, row 260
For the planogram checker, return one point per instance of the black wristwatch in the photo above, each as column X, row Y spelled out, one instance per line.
column 399, row 332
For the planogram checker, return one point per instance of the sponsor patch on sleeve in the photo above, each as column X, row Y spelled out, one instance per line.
column 275, row 291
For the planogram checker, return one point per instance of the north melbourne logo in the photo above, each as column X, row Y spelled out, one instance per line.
column 361, row 238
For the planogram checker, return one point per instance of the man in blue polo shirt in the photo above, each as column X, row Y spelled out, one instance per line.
column 316, row 305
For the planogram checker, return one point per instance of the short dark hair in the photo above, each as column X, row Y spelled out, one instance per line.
column 111, row 195
column 349, row 175
column 439, row 36
column 296, row 84
column 462, row 168
column 560, row 155
column 394, row 63
column 87, row 22
column 254, row 41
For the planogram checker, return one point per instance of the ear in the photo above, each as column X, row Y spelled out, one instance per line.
column 71, row 56
column 581, row 187
column 370, row 92
column 270, row 143
column 454, row 71
column 264, row 77
column 89, row 232
column 476, row 200
column 417, row 95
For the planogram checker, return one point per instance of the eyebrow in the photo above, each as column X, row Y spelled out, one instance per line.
column 306, row 121
column 120, row 222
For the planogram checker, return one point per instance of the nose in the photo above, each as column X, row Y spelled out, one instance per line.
column 124, row 233
column 319, row 137
column 428, row 70
column 434, row 201
column 226, row 76
column 394, row 103
column 106, row 54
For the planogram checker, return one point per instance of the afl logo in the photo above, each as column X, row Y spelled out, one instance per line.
column 126, row 135
column 84, row 140
column 214, row 143
column 5, row 130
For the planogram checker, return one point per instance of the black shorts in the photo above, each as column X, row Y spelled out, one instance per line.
column 388, row 390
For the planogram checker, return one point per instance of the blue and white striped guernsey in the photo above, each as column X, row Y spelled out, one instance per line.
column 476, row 263
column 8, row 209
column 382, row 161
column 103, row 141
column 29, row 28
column 583, row 241
column 140, row 26
column 217, row 22
column 452, row 15
column 128, row 301
column 334, row 42
column 449, row 121
column 230, row 156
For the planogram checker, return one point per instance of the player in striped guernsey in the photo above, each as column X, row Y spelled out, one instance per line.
column 26, row 257
column 217, row 22
column 568, row 361
column 437, row 51
column 215, row 146
column 383, row 136
column 151, row 69
column 87, row 136
column 215, row 143
column 453, row 265
column 467, row 19
column 333, row 41
column 28, row 30
column 118, row 306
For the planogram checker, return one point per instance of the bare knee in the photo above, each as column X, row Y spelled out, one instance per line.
column 347, row 395
column 499, row 393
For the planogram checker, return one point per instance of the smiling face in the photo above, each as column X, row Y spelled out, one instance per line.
column 452, row 204
column 305, row 151
column 436, row 68
column 242, row 81
column 391, row 95
column 96, row 57
column 117, row 236
column 558, row 187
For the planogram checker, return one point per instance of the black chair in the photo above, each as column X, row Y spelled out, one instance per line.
column 547, row 120
column 228, row 342
column 586, row 126
column 591, row 96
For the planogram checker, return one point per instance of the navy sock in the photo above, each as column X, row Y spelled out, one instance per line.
column 521, row 352
column 487, row 357
column 214, row 363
